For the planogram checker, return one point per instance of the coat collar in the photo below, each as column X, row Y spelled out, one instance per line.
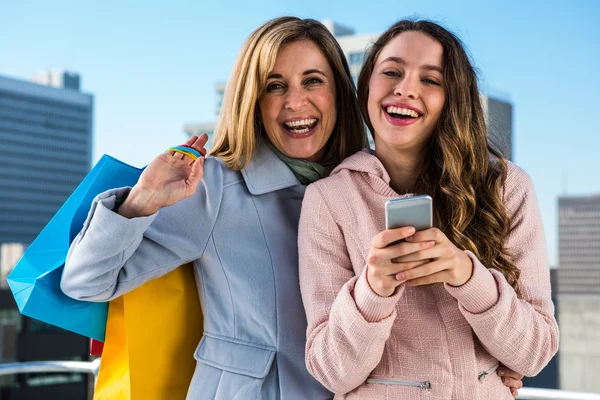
column 267, row 173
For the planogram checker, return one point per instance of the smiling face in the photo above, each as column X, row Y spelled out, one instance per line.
column 298, row 105
column 406, row 93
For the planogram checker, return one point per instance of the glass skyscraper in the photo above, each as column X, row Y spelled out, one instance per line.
column 45, row 151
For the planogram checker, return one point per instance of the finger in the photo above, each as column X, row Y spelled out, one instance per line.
column 407, row 266
column 197, row 173
column 514, row 392
column 203, row 140
column 191, row 140
column 421, row 272
column 428, row 234
column 382, row 284
column 512, row 383
column 388, row 255
column 199, row 143
column 505, row 371
column 187, row 153
column 399, row 250
column 176, row 155
column 436, row 277
column 391, row 269
column 383, row 239
column 429, row 252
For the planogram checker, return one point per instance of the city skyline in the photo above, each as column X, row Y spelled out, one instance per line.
column 45, row 152
column 153, row 69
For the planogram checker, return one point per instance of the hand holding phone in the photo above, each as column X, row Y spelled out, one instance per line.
column 427, row 256
column 410, row 214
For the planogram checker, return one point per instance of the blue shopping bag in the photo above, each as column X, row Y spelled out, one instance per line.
column 35, row 280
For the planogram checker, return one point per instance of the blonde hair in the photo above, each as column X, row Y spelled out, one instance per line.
column 238, row 128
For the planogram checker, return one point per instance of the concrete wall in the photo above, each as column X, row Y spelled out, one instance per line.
column 579, row 320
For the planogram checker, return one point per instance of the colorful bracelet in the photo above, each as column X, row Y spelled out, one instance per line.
column 185, row 150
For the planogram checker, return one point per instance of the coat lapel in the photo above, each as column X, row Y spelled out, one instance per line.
column 267, row 173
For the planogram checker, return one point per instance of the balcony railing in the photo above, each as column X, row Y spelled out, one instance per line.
column 92, row 367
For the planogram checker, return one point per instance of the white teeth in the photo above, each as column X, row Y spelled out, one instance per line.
column 303, row 130
column 302, row 122
column 402, row 111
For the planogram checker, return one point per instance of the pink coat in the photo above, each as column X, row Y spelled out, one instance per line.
column 428, row 342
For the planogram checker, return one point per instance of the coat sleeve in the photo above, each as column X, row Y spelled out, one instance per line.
column 348, row 323
column 520, row 331
column 113, row 255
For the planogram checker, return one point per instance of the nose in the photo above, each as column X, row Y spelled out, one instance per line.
column 295, row 99
column 407, row 87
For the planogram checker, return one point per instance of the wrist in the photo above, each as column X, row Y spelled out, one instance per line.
column 137, row 204
column 372, row 306
column 379, row 291
column 467, row 269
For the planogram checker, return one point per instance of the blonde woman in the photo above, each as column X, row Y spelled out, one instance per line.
column 433, row 316
column 289, row 116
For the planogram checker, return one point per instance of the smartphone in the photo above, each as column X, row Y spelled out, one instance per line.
column 413, row 211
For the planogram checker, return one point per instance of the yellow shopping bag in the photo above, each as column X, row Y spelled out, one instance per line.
column 151, row 335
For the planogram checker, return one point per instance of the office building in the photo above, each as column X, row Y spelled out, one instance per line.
column 579, row 292
column 498, row 118
column 579, row 350
column 579, row 245
column 45, row 152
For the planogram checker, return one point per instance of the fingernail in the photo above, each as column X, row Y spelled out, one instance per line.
column 399, row 276
column 500, row 372
column 410, row 230
column 430, row 244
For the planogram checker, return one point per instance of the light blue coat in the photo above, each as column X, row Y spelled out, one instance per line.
column 240, row 229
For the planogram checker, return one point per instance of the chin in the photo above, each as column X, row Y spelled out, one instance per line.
column 400, row 139
column 301, row 153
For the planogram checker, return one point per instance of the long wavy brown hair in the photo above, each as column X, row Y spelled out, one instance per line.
column 462, row 170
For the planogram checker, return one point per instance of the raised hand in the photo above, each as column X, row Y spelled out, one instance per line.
column 169, row 178
column 382, row 266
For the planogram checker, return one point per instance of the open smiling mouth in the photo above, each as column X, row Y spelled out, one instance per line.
column 301, row 126
column 402, row 113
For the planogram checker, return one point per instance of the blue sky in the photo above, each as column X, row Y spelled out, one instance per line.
column 152, row 67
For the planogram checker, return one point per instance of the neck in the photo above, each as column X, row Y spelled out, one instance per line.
column 403, row 167
column 305, row 171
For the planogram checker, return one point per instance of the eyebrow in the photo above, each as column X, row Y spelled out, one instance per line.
column 307, row 72
column 399, row 60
